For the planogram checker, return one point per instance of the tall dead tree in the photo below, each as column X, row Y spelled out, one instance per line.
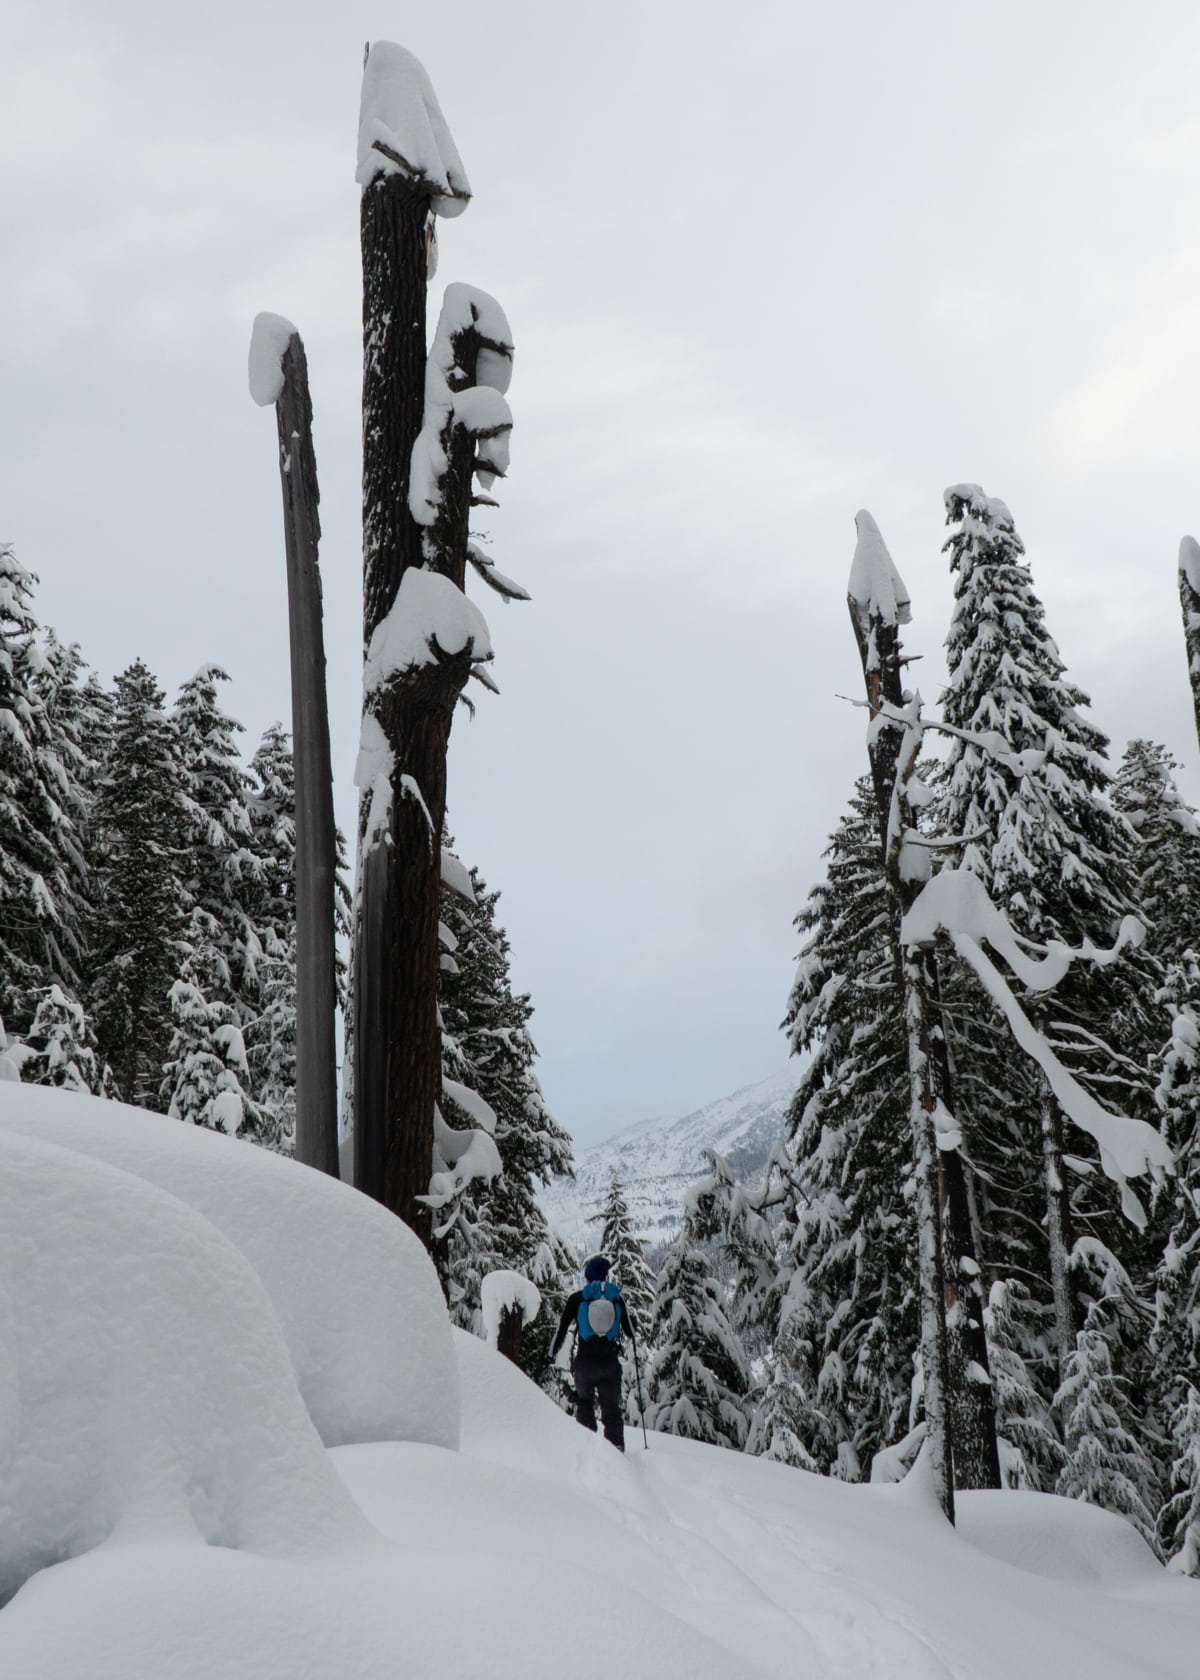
column 279, row 375
column 431, row 426
column 879, row 604
column 1189, row 602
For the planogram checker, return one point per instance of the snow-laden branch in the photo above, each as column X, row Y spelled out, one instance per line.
column 269, row 339
column 401, row 130
column 429, row 615
column 458, row 1158
column 456, row 876
column 956, row 903
column 463, row 394
column 373, row 776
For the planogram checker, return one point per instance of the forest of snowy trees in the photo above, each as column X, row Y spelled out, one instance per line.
column 1089, row 1293
column 945, row 1254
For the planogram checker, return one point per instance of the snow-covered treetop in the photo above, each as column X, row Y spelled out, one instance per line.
column 401, row 129
column 1189, row 562
column 968, row 503
column 876, row 589
column 269, row 338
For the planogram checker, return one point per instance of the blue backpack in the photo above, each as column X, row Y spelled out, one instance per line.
column 599, row 1315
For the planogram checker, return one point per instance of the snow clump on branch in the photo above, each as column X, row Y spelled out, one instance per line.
column 876, row 589
column 401, row 130
column 429, row 610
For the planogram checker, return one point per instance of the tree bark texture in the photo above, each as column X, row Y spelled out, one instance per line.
column 972, row 1397
column 315, row 860
column 1060, row 1230
column 882, row 676
column 511, row 1333
column 397, row 1071
column 1189, row 602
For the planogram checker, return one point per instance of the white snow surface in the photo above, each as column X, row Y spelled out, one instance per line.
column 428, row 607
column 876, row 587
column 373, row 774
column 464, row 307
column 1189, row 562
column 353, row 1294
column 504, row 1291
column 162, row 1450
column 400, row 110
column 268, row 341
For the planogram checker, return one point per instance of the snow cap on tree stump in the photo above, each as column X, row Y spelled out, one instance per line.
column 875, row 590
column 401, row 130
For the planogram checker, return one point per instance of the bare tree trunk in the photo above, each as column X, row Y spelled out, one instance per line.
column 1189, row 602
column 1060, row 1231
column 397, row 1071
column 879, row 650
column 511, row 1333
column 315, row 863
column 972, row 1399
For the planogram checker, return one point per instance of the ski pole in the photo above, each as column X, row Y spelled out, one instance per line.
column 641, row 1403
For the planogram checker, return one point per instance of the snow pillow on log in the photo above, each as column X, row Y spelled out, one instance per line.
column 144, row 1380
column 354, row 1291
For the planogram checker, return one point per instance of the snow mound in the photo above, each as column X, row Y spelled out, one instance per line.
column 505, row 1291
column 876, row 587
column 399, row 111
column 269, row 339
column 1060, row 1539
column 144, row 1382
column 354, row 1292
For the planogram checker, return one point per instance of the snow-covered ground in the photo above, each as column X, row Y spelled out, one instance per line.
column 658, row 1159
column 169, row 1508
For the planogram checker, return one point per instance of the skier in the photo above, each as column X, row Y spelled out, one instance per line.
column 600, row 1317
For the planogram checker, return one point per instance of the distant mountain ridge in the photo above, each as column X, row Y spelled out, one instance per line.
column 658, row 1159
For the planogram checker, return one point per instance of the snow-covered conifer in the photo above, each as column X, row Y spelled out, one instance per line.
column 784, row 1418
column 206, row 1076
column 63, row 1045
column 41, row 813
column 488, row 1051
column 1031, row 1455
column 1048, row 846
column 848, row 1279
column 697, row 1383
column 1179, row 1520
column 1105, row 1463
column 621, row 1243
column 139, row 898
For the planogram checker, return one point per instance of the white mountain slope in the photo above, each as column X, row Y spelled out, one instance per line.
column 658, row 1159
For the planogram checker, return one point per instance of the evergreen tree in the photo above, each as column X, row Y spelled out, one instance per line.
column 847, row 1284
column 1050, row 849
column 41, row 814
column 1179, row 1522
column 139, row 894
column 224, row 870
column 488, row 1051
column 206, row 1075
column 618, row 1240
column 697, row 1384
column 1105, row 1464
column 1031, row 1455
column 1167, row 851
column 63, row 1046
column 784, row 1417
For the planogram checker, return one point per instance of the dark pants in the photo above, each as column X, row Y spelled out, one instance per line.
column 598, row 1377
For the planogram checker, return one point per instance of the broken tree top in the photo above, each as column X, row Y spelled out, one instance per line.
column 401, row 129
column 268, row 342
column 876, row 587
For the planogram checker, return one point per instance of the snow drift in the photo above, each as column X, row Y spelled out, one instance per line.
column 353, row 1291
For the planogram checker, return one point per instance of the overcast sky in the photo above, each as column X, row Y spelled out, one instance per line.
column 761, row 271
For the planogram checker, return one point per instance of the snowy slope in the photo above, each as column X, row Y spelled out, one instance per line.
column 199, row 1528
column 658, row 1159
